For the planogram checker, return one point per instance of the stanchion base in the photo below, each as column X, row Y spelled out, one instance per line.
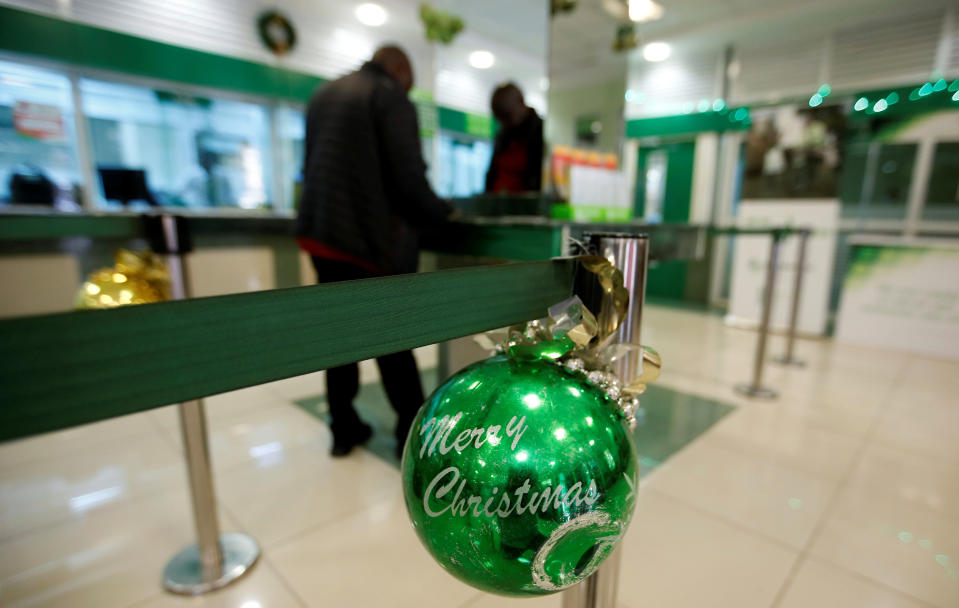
column 760, row 392
column 184, row 573
column 784, row 360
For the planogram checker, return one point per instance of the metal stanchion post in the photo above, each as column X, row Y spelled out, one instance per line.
column 789, row 358
column 215, row 560
column 630, row 254
column 443, row 361
column 756, row 388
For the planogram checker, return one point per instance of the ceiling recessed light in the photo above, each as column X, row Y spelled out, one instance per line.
column 482, row 60
column 657, row 51
column 371, row 14
column 641, row 11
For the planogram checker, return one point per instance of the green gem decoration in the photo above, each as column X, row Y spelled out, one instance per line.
column 519, row 475
column 548, row 349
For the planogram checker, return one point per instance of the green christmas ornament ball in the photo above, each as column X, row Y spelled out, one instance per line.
column 519, row 476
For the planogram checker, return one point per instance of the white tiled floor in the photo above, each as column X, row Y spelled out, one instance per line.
column 843, row 492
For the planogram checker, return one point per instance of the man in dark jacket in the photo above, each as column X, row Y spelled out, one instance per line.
column 517, row 163
column 365, row 197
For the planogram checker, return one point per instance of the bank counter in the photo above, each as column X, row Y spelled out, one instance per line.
column 49, row 254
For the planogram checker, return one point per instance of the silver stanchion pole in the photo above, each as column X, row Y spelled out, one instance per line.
column 789, row 358
column 756, row 388
column 215, row 560
column 630, row 254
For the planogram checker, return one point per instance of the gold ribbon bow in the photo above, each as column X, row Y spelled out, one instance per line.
column 572, row 336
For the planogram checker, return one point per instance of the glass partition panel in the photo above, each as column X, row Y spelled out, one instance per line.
column 463, row 162
column 892, row 177
column 942, row 196
column 876, row 179
column 38, row 152
column 291, row 138
column 162, row 148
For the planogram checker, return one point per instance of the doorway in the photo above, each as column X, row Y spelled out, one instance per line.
column 664, row 182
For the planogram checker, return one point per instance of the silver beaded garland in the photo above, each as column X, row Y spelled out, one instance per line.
column 535, row 331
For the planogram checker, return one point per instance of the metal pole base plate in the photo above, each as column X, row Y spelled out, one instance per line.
column 784, row 360
column 760, row 392
column 184, row 573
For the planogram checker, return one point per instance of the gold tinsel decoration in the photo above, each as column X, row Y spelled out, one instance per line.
column 136, row 278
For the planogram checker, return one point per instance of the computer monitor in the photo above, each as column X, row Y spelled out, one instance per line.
column 125, row 185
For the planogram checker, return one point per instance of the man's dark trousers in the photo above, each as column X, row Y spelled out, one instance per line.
column 401, row 380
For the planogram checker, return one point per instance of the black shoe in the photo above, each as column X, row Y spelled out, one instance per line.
column 342, row 446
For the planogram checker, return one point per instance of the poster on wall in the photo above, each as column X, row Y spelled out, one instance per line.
column 751, row 257
column 901, row 298
column 38, row 120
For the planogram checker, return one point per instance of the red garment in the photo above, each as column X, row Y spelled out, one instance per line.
column 510, row 168
column 318, row 249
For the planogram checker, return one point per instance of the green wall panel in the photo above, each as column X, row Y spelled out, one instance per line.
column 679, row 182
column 93, row 47
column 730, row 119
column 33, row 34
column 906, row 102
column 476, row 125
column 667, row 280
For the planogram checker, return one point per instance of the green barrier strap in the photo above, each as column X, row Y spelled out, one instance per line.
column 58, row 371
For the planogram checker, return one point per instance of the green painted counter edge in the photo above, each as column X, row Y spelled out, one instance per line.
column 63, row 370
column 34, row 227
column 511, row 242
